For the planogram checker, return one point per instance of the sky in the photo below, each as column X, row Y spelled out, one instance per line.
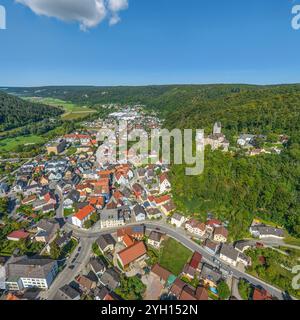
column 141, row 42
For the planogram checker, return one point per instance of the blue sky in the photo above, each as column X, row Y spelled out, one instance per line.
column 156, row 42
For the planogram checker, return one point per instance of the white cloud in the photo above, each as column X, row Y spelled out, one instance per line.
column 88, row 13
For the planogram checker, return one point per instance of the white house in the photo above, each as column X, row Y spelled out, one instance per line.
column 229, row 254
column 83, row 215
column 177, row 220
column 196, row 227
column 164, row 184
column 140, row 213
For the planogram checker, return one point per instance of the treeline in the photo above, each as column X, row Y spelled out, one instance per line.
column 15, row 112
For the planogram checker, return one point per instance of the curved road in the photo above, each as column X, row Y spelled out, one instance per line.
column 88, row 237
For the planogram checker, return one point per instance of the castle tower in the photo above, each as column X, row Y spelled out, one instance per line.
column 217, row 128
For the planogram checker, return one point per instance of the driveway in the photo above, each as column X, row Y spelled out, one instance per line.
column 154, row 287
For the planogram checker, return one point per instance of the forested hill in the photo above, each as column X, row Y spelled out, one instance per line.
column 15, row 112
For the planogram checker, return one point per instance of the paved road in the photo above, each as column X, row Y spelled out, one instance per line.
column 68, row 275
column 87, row 237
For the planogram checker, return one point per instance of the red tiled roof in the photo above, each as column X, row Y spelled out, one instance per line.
column 162, row 199
column 213, row 222
column 221, row 231
column 132, row 253
column 187, row 294
column 129, row 230
column 84, row 212
column 201, row 293
column 19, row 234
column 128, row 241
column 96, row 201
column 261, row 294
column 161, row 272
column 196, row 259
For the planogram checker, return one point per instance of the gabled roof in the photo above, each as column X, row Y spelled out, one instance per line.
column 188, row 293
column 161, row 272
column 132, row 253
column 84, row 212
column 221, row 231
column 196, row 259
column 18, row 234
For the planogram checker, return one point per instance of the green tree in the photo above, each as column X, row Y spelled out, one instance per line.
column 54, row 250
column 244, row 289
column 223, row 290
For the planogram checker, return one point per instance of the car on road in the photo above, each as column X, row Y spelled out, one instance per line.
column 71, row 267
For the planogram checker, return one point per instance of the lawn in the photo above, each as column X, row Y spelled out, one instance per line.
column 10, row 144
column 174, row 256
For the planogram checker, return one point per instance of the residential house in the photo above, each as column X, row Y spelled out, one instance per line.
column 164, row 183
column 229, row 254
column 220, row 234
column 3, row 188
column 98, row 266
column 153, row 213
column 46, row 230
column 133, row 253
column 211, row 224
column 168, row 208
column 83, row 215
column 188, row 294
column 177, row 288
column 66, row 293
column 106, row 243
column 260, row 294
column 110, row 279
column 201, row 294
column 262, row 231
column 17, row 235
column 85, row 283
column 162, row 273
column 138, row 190
column 210, row 275
column 28, row 200
column 72, row 198
column 177, row 220
column 193, row 266
column 135, row 232
column 140, row 213
column 211, row 246
column 155, row 239
column 246, row 140
column 195, row 227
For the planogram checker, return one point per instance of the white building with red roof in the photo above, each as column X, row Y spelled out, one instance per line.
column 83, row 215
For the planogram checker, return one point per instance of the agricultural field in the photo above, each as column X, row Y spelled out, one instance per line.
column 10, row 144
column 72, row 111
column 174, row 256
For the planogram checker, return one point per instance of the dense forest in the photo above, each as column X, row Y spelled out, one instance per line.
column 15, row 112
column 234, row 186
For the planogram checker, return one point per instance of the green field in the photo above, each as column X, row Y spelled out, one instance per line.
column 10, row 144
column 174, row 256
column 72, row 111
